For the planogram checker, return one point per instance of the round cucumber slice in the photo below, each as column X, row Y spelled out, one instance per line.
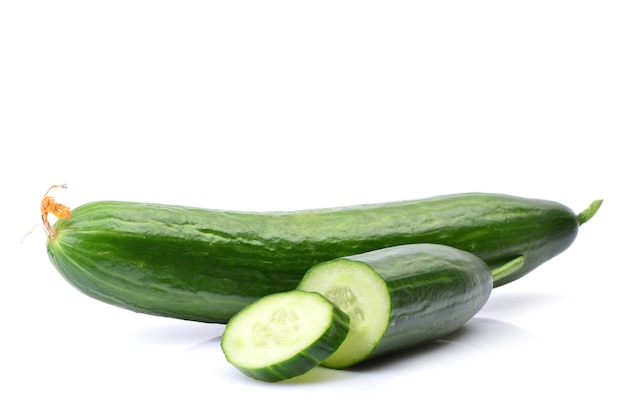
column 284, row 335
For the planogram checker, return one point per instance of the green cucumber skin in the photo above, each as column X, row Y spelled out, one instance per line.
column 206, row 265
column 434, row 291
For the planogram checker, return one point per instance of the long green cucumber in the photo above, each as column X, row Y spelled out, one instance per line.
column 206, row 265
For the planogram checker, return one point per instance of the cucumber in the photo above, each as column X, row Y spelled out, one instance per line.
column 284, row 335
column 400, row 296
column 206, row 265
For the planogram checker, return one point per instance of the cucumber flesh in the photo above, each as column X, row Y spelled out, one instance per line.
column 361, row 293
column 284, row 335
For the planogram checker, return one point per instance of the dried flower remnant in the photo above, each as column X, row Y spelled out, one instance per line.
column 50, row 206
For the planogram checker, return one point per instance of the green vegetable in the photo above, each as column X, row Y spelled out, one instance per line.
column 207, row 265
column 284, row 335
column 400, row 296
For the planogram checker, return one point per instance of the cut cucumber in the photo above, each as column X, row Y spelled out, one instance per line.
column 284, row 335
column 400, row 296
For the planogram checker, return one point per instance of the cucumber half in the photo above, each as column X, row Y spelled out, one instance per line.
column 401, row 296
column 284, row 335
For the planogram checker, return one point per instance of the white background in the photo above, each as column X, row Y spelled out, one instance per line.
column 281, row 105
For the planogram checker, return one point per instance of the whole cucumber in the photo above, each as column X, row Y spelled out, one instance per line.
column 206, row 265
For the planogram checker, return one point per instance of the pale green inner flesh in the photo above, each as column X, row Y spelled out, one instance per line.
column 276, row 328
column 362, row 294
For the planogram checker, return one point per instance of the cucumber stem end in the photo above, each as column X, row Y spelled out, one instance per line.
column 588, row 213
column 503, row 272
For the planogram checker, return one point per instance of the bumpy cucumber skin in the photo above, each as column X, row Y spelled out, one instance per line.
column 434, row 290
column 303, row 361
column 206, row 265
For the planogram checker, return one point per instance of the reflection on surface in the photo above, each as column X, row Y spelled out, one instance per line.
column 476, row 339
column 514, row 303
column 482, row 345
column 178, row 332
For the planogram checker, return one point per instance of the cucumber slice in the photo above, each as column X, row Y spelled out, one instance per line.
column 399, row 297
column 284, row 335
column 361, row 293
